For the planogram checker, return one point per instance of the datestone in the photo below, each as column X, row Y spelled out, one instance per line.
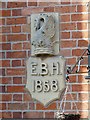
column 46, row 78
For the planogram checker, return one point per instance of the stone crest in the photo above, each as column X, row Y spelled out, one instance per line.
column 46, row 78
column 44, row 32
column 45, row 68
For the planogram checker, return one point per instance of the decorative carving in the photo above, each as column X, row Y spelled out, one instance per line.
column 44, row 31
column 45, row 68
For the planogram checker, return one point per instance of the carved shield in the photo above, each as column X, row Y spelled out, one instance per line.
column 46, row 78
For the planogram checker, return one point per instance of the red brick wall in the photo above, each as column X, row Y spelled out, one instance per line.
column 15, row 42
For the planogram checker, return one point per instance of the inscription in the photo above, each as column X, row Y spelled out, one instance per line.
column 45, row 86
column 44, row 69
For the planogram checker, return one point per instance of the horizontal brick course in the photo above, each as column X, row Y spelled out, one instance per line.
column 17, row 54
column 15, row 71
column 33, row 115
column 15, row 89
column 16, row 4
column 15, row 21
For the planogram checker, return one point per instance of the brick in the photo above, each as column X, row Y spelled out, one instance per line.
column 84, row 114
column 6, row 80
column 17, row 106
column 81, row 79
column 65, row 52
column 77, row 52
column 2, row 106
column 17, row 115
column 33, row 3
column 29, row 36
column 83, row 69
column 71, row 61
column 83, row 96
column 2, row 72
column 69, row 98
column 68, row 26
column 16, row 37
column 29, row 10
column 16, row 4
column 27, row 97
column 80, row 34
column 6, row 97
column 5, row 63
column 81, row 8
column 65, row 35
column 16, row 63
column 6, row 115
column 2, row 54
column 15, row 89
column 23, row 62
column 80, row 87
column 85, row 60
column 33, row 115
column 79, row 17
column 3, row 4
column 26, row 45
column 17, row 54
column 31, row 106
column 47, row 3
column 6, row 13
column 0, row 114
column 65, row 2
column 82, row 105
column 68, row 9
column 49, row 114
column 65, row 18
column 50, row 107
column 3, row 38
column 17, row 97
column 6, row 29
column 16, row 12
column 2, row 89
column 15, row 21
column 26, row 28
column 67, row 105
column 15, row 71
column 24, row 81
column 6, row 46
column 17, row 80
column 82, row 26
column 16, row 29
column 72, row 79
column 68, row 44
column 2, row 21
column 78, row 2
column 82, row 43
column 0, row 63
column 17, row 46
column 49, row 9
column 57, row 9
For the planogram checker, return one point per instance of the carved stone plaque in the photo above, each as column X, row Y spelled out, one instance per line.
column 46, row 78
column 44, row 34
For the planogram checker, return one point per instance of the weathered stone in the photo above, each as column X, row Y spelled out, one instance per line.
column 44, row 34
column 46, row 78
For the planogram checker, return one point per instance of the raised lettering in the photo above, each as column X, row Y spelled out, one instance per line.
column 55, row 68
column 38, row 86
column 33, row 69
column 54, row 85
column 44, row 69
column 46, row 86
